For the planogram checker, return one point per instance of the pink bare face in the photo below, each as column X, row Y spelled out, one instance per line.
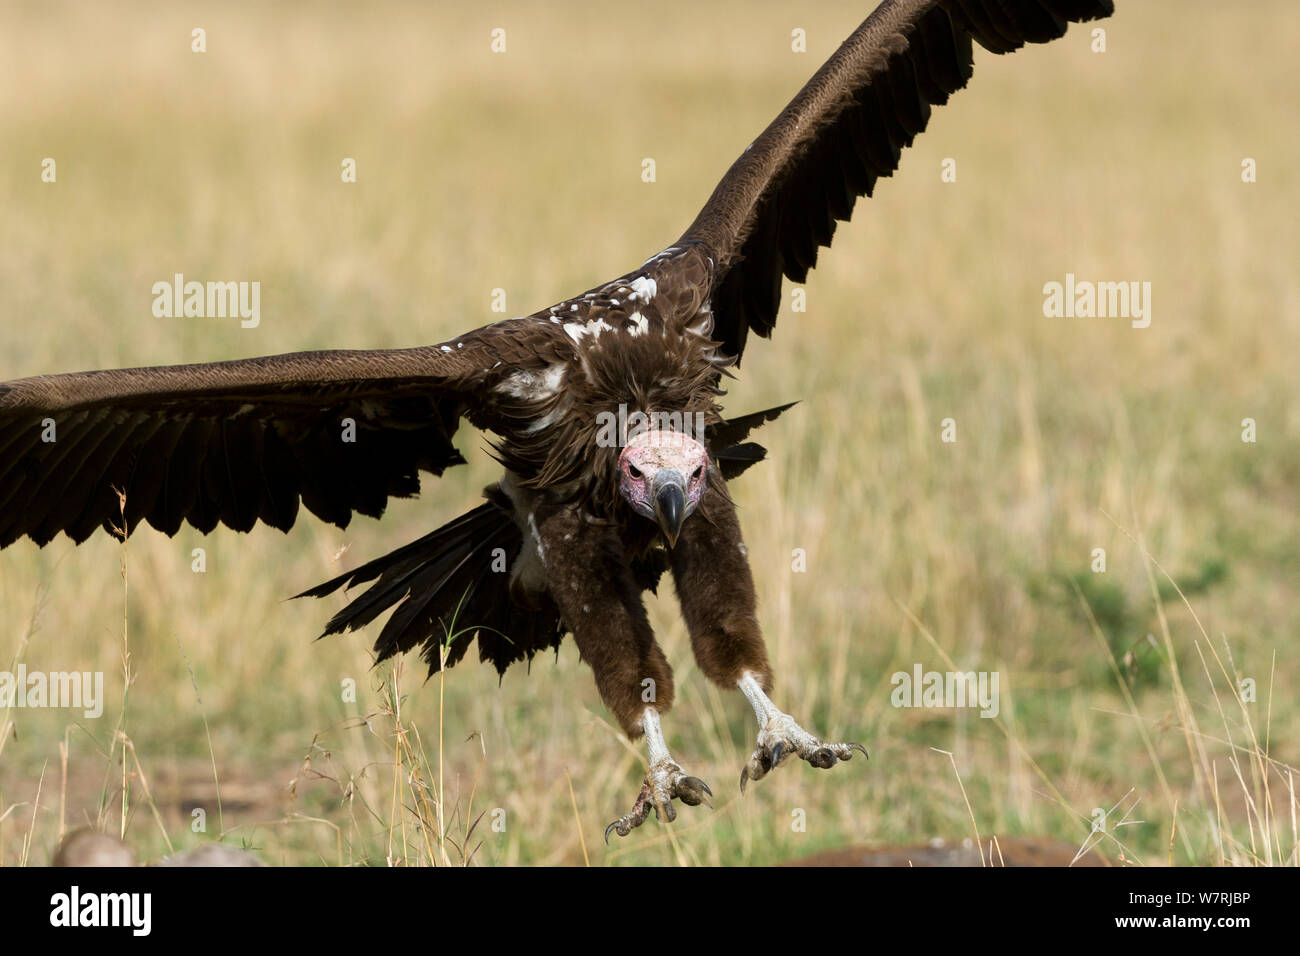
column 662, row 474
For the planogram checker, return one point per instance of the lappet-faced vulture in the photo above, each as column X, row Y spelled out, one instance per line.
column 603, row 410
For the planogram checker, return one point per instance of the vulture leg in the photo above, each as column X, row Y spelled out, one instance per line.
column 663, row 781
column 779, row 737
column 716, row 591
column 599, row 598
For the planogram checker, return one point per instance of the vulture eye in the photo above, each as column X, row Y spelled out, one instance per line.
column 696, row 473
column 634, row 472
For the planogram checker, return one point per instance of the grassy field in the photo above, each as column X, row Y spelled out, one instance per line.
column 522, row 171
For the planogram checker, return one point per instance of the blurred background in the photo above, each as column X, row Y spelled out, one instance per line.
column 1121, row 690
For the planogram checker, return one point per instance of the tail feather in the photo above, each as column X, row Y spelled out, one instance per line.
column 451, row 599
column 409, row 555
column 448, row 587
column 737, row 460
column 727, row 435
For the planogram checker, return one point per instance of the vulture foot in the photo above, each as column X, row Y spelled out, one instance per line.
column 665, row 781
column 780, row 738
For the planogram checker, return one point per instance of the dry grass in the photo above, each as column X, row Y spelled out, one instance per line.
column 521, row 172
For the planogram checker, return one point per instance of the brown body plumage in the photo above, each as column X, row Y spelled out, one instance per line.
column 341, row 432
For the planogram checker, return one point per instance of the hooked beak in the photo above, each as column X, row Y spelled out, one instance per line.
column 670, row 504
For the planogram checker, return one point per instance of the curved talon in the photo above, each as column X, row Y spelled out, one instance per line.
column 663, row 784
column 623, row 825
column 691, row 790
column 780, row 738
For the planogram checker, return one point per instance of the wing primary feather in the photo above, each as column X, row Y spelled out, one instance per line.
column 147, row 476
column 841, row 133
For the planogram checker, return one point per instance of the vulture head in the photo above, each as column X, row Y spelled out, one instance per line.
column 662, row 475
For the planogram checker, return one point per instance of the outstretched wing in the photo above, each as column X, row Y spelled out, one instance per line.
column 244, row 441
column 780, row 200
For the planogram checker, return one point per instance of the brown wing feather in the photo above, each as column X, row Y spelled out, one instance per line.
column 244, row 441
column 845, row 129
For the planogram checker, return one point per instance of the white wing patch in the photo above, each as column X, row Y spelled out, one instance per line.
column 671, row 250
column 643, row 289
column 593, row 328
column 537, row 386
